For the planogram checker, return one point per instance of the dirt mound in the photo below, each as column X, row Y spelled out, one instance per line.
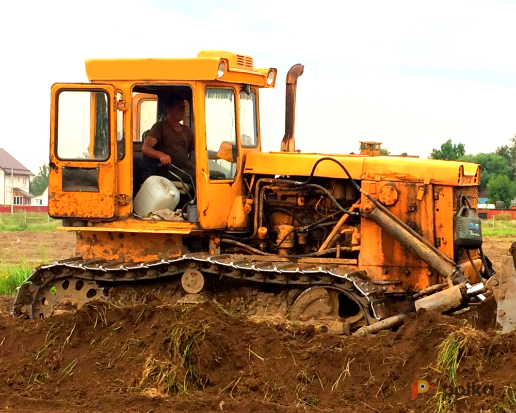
column 209, row 358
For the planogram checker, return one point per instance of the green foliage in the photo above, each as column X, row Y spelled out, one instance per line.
column 449, row 151
column 509, row 153
column 12, row 276
column 492, row 164
column 501, row 188
column 384, row 151
column 40, row 181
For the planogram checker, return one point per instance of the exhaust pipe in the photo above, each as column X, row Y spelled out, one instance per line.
column 288, row 144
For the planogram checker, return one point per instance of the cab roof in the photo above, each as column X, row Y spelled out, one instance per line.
column 205, row 67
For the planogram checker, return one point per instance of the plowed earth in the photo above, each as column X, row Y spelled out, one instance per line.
column 213, row 357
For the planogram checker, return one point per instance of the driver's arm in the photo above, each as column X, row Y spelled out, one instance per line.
column 148, row 149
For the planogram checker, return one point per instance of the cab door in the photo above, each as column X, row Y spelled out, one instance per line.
column 83, row 152
column 227, row 132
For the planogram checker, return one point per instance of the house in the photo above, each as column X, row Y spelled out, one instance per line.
column 14, row 181
column 41, row 200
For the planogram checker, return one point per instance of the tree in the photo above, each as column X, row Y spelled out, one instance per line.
column 384, row 151
column 449, row 151
column 40, row 181
column 509, row 153
column 491, row 164
column 501, row 188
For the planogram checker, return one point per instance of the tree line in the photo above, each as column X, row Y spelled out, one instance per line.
column 498, row 168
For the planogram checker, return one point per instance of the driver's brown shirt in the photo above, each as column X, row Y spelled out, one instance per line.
column 177, row 145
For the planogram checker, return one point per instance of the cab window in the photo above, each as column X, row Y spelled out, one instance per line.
column 148, row 116
column 82, row 125
column 221, row 133
column 120, row 135
column 248, row 129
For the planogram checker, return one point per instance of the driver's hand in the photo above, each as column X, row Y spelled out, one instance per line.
column 164, row 159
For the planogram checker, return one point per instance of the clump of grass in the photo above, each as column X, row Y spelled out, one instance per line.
column 177, row 372
column 451, row 351
column 509, row 402
column 12, row 276
column 456, row 346
column 439, row 403
column 305, row 379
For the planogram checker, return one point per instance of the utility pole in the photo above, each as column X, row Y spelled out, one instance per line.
column 12, row 191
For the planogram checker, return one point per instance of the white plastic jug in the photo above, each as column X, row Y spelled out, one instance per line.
column 156, row 193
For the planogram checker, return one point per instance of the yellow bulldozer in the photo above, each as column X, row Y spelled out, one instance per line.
column 364, row 238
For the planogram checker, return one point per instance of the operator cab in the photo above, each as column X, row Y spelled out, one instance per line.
column 98, row 130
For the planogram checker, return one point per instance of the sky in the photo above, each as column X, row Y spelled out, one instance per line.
column 409, row 74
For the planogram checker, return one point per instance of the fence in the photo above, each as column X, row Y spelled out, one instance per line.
column 26, row 220
column 28, row 208
column 490, row 213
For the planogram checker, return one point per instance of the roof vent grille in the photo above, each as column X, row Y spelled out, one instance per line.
column 245, row 61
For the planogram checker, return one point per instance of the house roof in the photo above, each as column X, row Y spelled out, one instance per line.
column 8, row 162
column 23, row 193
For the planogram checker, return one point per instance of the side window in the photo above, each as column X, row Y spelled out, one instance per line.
column 120, row 136
column 148, row 116
column 221, row 133
column 248, row 129
column 82, row 125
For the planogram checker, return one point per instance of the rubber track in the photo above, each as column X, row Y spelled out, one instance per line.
column 226, row 265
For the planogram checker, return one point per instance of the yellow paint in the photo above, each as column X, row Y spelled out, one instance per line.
column 202, row 68
column 387, row 168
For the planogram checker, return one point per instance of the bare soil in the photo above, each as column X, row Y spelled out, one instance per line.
column 212, row 357
column 36, row 247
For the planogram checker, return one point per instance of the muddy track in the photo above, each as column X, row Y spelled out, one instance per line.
column 83, row 278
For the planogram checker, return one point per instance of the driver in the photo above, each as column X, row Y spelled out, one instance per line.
column 169, row 142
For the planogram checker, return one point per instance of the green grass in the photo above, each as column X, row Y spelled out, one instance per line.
column 12, row 276
column 509, row 403
column 30, row 221
column 496, row 228
column 448, row 359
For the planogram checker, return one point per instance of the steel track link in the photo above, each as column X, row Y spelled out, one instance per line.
column 248, row 268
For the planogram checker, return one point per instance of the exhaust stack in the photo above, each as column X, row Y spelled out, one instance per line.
column 288, row 144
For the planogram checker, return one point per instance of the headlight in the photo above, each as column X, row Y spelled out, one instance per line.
column 221, row 69
column 270, row 77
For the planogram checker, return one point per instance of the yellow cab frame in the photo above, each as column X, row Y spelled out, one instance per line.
column 220, row 203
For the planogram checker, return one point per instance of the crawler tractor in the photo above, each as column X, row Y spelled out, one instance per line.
column 363, row 238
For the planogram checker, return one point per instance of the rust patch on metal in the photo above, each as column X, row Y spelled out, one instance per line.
column 138, row 247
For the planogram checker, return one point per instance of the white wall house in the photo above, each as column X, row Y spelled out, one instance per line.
column 14, row 181
column 40, row 200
